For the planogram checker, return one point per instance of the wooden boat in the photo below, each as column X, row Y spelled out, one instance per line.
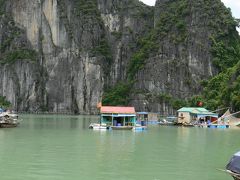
column 233, row 166
column 183, row 124
column 98, row 126
column 235, row 176
column 121, row 127
column 8, row 125
column 166, row 123
column 8, row 120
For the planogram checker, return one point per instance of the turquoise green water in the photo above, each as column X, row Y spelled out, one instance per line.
column 50, row 147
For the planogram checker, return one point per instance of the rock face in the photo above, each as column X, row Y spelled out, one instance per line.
column 183, row 57
column 60, row 55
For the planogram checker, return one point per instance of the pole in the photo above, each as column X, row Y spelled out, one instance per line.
column 220, row 109
column 112, row 119
column 232, row 114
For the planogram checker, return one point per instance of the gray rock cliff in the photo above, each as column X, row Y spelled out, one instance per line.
column 61, row 55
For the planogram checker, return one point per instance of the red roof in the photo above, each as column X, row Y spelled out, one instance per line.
column 118, row 109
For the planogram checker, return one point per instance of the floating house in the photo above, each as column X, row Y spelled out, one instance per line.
column 118, row 117
column 148, row 117
column 193, row 114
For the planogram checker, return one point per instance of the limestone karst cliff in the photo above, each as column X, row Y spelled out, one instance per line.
column 63, row 55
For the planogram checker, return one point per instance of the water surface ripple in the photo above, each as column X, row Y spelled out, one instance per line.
column 57, row 147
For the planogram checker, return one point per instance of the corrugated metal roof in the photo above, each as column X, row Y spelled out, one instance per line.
column 117, row 109
column 193, row 109
column 199, row 111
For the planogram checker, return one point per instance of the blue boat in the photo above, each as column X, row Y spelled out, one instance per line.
column 220, row 126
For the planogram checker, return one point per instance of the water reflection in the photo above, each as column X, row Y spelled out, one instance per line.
column 57, row 121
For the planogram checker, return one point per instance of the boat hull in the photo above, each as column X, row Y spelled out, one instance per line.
column 97, row 126
column 235, row 176
column 219, row 126
column 139, row 128
column 183, row 124
column 7, row 125
column 121, row 127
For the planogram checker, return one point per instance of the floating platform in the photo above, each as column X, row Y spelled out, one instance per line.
column 220, row 126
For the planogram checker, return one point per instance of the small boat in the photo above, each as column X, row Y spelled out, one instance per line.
column 164, row 122
column 139, row 128
column 220, row 126
column 183, row 124
column 121, row 127
column 98, row 126
column 233, row 166
column 8, row 120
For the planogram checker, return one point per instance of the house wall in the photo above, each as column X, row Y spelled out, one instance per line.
column 184, row 117
column 153, row 117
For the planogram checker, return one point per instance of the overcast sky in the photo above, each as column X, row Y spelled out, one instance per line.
column 233, row 4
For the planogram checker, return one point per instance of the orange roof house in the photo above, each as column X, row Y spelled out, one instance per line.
column 117, row 110
column 118, row 117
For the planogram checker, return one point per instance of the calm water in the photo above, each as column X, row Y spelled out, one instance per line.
column 50, row 147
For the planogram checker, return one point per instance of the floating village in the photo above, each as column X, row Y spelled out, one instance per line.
column 126, row 118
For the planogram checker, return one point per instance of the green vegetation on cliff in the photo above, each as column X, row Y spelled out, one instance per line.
column 223, row 89
column 220, row 91
column 103, row 49
column 225, row 41
column 86, row 7
column 167, row 22
column 2, row 7
column 19, row 54
column 118, row 95
column 149, row 45
column 4, row 103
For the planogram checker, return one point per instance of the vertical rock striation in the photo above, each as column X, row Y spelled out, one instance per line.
column 183, row 32
column 62, row 55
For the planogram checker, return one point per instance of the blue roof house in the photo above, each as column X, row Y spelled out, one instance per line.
column 191, row 114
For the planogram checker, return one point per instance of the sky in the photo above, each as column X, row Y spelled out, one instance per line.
column 233, row 4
